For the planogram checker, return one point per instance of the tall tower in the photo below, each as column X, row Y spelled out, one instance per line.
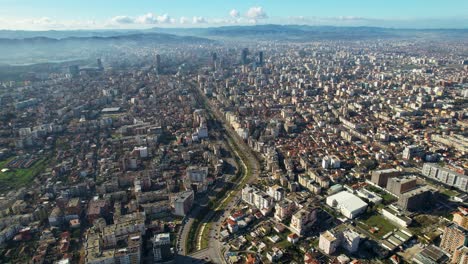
column 260, row 58
column 214, row 58
column 158, row 64
column 99, row 63
column 244, row 54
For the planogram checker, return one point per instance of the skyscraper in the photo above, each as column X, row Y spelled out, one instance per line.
column 244, row 54
column 158, row 64
column 260, row 58
column 99, row 64
column 214, row 57
column 161, row 247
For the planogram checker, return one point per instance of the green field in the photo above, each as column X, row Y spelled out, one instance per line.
column 387, row 198
column 376, row 220
column 16, row 178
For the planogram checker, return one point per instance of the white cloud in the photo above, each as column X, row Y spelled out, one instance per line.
column 164, row 19
column 151, row 18
column 184, row 20
column 148, row 18
column 42, row 21
column 234, row 13
column 256, row 12
column 198, row 20
column 351, row 18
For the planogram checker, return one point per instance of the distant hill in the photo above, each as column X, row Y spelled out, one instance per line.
column 25, row 47
column 60, row 34
column 276, row 32
column 43, row 49
column 160, row 38
column 306, row 33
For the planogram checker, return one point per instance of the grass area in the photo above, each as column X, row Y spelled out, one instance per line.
column 4, row 162
column 116, row 136
column 331, row 211
column 448, row 192
column 442, row 188
column 16, row 178
column 376, row 220
column 190, row 244
column 225, row 197
column 424, row 223
column 387, row 198
column 283, row 244
column 206, row 236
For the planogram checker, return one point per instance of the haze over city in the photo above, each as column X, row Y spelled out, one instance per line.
column 183, row 131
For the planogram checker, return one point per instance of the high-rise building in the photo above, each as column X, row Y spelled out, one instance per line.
column 380, row 177
column 446, row 176
column 183, row 203
column 461, row 255
column 158, row 64
column 461, row 217
column 453, row 238
column 350, row 240
column 398, row 186
column 131, row 253
column 214, row 58
column 162, row 247
column 412, row 151
column 244, row 54
column 284, row 209
column 414, row 199
column 99, row 64
column 303, row 220
column 260, row 58
column 328, row 242
column 255, row 197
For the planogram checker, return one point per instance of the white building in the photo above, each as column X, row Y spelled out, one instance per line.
column 395, row 215
column 143, row 151
column 350, row 240
column 276, row 192
column 348, row 204
column 257, row 198
column 328, row 242
column 183, row 203
column 202, row 131
column 197, row 174
column 161, row 246
column 302, row 220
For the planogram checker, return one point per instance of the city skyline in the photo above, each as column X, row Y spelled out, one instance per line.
column 63, row 15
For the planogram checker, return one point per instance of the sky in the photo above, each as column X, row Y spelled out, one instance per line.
column 139, row 14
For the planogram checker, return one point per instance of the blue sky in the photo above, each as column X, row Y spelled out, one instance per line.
column 75, row 14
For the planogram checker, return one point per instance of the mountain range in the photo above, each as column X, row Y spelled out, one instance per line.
column 290, row 32
column 19, row 47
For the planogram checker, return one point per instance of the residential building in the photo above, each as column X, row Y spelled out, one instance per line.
column 303, row 219
column 183, row 203
column 162, row 247
column 398, row 186
column 380, row 177
column 328, row 242
column 454, row 237
column 415, row 199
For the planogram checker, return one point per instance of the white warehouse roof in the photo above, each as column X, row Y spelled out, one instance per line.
column 346, row 202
